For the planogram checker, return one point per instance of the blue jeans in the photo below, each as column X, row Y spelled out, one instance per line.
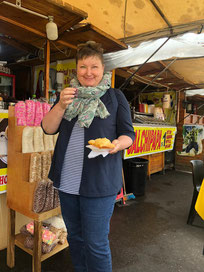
column 88, row 223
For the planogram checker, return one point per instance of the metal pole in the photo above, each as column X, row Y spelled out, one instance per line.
column 24, row 9
column 155, row 77
column 128, row 79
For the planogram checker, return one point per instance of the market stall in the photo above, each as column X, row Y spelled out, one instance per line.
column 33, row 49
column 153, row 137
column 190, row 136
column 151, row 141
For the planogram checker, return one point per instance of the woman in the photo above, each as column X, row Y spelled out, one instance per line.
column 89, row 109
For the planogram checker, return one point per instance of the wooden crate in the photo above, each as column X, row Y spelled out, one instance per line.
column 156, row 162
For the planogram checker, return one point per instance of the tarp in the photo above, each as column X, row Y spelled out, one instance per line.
column 184, row 46
column 195, row 92
column 136, row 18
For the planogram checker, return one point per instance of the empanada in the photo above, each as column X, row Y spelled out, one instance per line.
column 101, row 143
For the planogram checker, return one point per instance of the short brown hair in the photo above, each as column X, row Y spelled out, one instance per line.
column 89, row 49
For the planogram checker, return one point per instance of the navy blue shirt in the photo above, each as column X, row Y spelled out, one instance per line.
column 100, row 176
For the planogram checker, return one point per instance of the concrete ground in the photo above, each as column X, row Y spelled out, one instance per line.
column 149, row 235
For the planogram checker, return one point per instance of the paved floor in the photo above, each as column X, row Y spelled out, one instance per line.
column 149, row 235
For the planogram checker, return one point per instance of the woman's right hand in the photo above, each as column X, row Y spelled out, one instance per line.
column 66, row 97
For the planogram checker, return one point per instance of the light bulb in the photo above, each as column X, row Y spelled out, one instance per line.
column 51, row 29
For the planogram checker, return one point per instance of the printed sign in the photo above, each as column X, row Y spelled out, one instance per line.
column 193, row 136
column 149, row 140
column 3, row 149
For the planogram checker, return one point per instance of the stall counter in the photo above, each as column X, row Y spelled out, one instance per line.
column 151, row 142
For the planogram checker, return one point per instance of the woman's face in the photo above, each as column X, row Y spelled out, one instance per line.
column 90, row 71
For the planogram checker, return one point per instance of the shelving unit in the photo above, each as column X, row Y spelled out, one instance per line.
column 20, row 194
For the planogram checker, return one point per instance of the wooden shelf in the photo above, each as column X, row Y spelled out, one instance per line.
column 20, row 193
column 19, row 241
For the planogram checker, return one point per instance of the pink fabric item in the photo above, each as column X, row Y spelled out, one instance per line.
column 38, row 113
column 46, row 107
column 20, row 113
column 30, row 112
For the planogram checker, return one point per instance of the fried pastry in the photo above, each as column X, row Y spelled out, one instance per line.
column 101, row 143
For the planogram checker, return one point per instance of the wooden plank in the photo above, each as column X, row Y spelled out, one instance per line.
column 67, row 7
column 57, row 248
column 37, row 249
column 47, row 70
column 65, row 43
column 90, row 32
column 11, row 239
column 19, row 241
column 18, row 45
column 25, row 27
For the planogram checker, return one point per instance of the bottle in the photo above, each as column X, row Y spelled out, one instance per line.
column 51, row 97
column 34, row 97
column 54, row 96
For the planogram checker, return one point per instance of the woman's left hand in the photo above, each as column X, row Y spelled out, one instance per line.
column 116, row 148
column 121, row 143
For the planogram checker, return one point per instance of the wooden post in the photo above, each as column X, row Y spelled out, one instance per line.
column 47, row 70
column 37, row 250
column 11, row 238
column 113, row 79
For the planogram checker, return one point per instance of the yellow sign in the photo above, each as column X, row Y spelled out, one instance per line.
column 3, row 149
column 3, row 180
column 67, row 67
column 149, row 140
column 3, row 115
column 199, row 206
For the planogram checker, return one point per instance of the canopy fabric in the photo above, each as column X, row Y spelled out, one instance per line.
column 195, row 92
column 184, row 46
column 137, row 18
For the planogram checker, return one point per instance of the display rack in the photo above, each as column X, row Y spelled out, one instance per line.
column 20, row 193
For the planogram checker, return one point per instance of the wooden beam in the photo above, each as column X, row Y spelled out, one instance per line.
column 105, row 36
column 16, row 44
column 148, row 72
column 122, row 73
column 69, row 8
column 66, row 26
column 47, row 70
column 67, row 44
column 30, row 29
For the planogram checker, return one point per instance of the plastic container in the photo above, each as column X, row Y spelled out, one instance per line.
column 135, row 172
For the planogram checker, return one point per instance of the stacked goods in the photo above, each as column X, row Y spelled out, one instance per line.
column 20, row 113
column 30, row 112
column 40, row 146
column 53, row 232
column 45, row 196
column 35, row 140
